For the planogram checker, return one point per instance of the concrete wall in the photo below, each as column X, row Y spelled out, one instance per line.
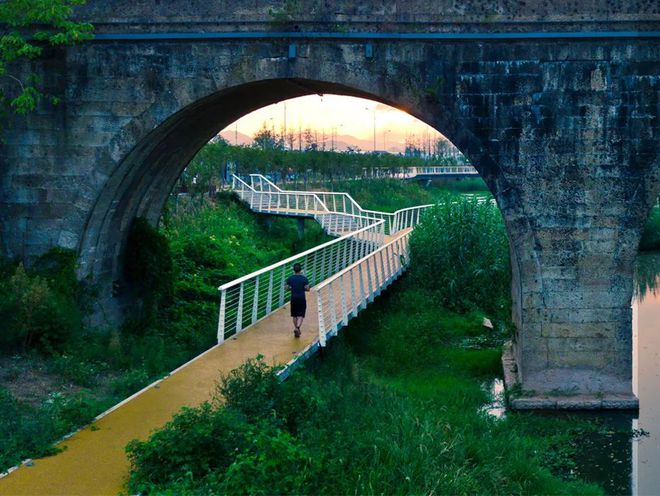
column 564, row 132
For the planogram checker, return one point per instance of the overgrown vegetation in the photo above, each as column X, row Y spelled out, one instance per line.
column 396, row 406
column 83, row 372
column 651, row 235
column 472, row 268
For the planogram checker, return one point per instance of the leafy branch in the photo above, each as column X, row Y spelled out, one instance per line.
column 26, row 28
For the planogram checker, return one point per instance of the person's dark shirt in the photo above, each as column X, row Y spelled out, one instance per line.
column 297, row 283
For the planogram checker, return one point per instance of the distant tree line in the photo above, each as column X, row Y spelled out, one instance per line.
column 270, row 154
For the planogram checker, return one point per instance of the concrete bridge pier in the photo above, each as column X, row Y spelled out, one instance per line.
column 574, row 239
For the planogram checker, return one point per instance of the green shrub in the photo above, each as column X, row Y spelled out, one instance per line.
column 275, row 463
column 27, row 431
column 130, row 383
column 460, row 253
column 195, row 442
column 76, row 369
column 37, row 313
column 251, row 389
column 148, row 265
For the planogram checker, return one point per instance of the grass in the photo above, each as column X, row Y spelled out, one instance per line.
column 355, row 422
column 393, row 194
column 394, row 406
column 73, row 378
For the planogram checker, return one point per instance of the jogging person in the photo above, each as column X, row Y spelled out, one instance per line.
column 298, row 284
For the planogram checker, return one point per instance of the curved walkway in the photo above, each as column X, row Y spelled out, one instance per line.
column 94, row 461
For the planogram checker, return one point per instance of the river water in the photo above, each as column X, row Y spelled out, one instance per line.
column 645, row 466
column 619, row 463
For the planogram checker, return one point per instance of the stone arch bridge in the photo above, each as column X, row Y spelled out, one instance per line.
column 556, row 106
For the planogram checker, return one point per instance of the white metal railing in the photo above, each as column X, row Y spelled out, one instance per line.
column 343, row 295
column 273, row 200
column 337, row 202
column 346, row 273
column 411, row 172
column 444, row 170
column 250, row 298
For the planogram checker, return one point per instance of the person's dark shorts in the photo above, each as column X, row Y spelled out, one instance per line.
column 298, row 307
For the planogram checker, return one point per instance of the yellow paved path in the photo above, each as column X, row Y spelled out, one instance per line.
column 94, row 462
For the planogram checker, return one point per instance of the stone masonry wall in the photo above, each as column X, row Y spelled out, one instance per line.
column 564, row 132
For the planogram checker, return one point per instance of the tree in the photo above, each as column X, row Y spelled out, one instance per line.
column 265, row 139
column 311, row 143
column 26, row 28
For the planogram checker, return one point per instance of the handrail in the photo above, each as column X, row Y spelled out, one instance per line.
column 290, row 259
column 401, row 219
column 250, row 298
column 340, row 297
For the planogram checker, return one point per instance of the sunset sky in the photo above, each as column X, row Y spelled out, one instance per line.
column 351, row 118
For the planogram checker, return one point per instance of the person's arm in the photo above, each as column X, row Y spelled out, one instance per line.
column 307, row 288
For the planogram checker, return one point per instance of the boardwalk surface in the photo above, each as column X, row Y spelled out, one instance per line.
column 94, row 461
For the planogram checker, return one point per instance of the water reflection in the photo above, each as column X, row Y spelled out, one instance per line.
column 647, row 276
column 618, row 461
column 615, row 458
column 646, row 334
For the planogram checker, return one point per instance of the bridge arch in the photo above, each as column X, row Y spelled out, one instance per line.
column 562, row 127
column 152, row 161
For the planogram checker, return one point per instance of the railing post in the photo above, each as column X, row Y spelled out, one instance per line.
column 269, row 295
column 333, row 309
column 354, row 306
column 370, row 282
column 386, row 275
column 342, row 294
column 239, row 312
column 221, row 316
column 378, row 279
column 390, row 263
column 255, row 300
column 363, row 296
column 281, row 301
column 319, row 306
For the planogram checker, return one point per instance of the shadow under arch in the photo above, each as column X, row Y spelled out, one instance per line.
column 145, row 176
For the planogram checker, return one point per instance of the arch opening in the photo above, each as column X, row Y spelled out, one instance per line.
column 145, row 176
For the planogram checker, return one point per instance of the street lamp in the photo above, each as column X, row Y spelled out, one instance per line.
column 385, row 139
column 374, row 115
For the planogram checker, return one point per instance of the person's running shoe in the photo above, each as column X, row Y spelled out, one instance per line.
column 296, row 332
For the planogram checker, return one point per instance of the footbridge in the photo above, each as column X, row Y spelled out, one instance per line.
column 426, row 172
column 369, row 252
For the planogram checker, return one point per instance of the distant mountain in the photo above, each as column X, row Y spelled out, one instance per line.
column 236, row 138
column 342, row 142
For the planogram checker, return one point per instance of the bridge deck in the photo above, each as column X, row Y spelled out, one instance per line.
column 94, row 462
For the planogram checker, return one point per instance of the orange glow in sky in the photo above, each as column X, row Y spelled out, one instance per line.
column 350, row 119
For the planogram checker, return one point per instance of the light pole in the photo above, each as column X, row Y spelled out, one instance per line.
column 374, row 116
column 385, row 139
